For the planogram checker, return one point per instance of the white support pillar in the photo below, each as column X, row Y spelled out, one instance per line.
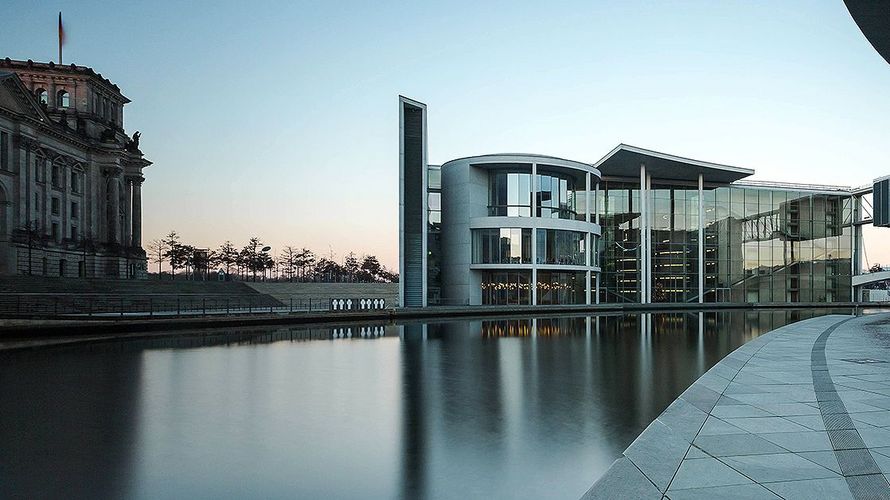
column 701, row 239
column 650, row 219
column 597, row 288
column 587, row 240
column 534, row 218
column 643, row 234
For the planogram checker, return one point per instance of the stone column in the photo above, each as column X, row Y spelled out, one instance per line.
column 137, row 212
column 112, row 219
column 126, row 240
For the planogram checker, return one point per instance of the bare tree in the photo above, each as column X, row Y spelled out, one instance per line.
column 173, row 252
column 157, row 248
column 289, row 259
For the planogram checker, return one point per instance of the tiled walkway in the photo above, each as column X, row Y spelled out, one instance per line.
column 801, row 412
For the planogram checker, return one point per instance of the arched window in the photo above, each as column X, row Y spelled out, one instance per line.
column 62, row 99
column 42, row 96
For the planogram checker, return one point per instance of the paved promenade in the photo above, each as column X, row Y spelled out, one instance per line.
column 800, row 412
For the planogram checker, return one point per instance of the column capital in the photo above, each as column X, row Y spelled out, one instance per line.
column 136, row 180
column 112, row 172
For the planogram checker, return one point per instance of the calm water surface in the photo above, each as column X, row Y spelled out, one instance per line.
column 465, row 409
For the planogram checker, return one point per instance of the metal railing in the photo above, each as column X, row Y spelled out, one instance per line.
column 43, row 305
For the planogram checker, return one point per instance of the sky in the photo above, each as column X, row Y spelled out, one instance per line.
column 280, row 119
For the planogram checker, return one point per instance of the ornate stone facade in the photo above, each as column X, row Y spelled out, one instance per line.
column 70, row 177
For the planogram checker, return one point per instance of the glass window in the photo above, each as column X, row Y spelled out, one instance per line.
column 55, row 206
column 42, row 96
column 75, row 209
column 562, row 287
column 62, row 99
column 506, row 287
column 4, row 150
column 56, row 176
column 556, row 196
column 434, row 178
column 434, row 201
column 509, row 194
column 502, row 246
column 561, row 247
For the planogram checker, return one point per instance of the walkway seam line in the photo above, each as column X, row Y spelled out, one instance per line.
column 830, row 403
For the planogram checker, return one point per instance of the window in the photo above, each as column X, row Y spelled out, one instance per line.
column 97, row 107
column 75, row 182
column 62, row 99
column 42, row 96
column 57, row 176
column 75, row 209
column 502, row 246
column 506, row 287
column 37, row 201
column 73, row 233
column 39, row 172
column 509, row 194
column 4, row 150
column 56, row 206
column 556, row 196
column 55, row 231
column 561, row 247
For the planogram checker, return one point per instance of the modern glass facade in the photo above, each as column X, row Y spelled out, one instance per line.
column 434, row 234
column 507, row 287
column 562, row 287
column 532, row 229
column 556, row 196
column 562, row 247
column 509, row 193
column 760, row 244
column 502, row 246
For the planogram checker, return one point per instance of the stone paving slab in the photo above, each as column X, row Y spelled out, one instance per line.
column 800, row 412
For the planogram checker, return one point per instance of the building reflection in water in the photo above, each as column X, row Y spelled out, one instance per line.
column 518, row 407
column 67, row 423
column 521, row 408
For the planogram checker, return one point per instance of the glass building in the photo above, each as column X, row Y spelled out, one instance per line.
column 637, row 226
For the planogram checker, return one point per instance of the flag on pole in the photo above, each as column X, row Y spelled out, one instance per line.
column 61, row 37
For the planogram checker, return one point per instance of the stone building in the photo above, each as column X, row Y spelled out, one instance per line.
column 70, row 177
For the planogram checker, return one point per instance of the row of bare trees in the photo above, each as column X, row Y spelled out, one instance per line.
column 255, row 261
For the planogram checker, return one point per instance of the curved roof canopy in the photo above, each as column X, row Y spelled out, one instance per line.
column 873, row 18
column 625, row 161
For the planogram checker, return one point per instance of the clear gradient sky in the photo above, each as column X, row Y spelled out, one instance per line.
column 280, row 119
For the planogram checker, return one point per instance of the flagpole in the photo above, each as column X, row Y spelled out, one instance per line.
column 60, row 38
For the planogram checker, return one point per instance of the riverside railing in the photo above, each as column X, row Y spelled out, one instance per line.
column 42, row 305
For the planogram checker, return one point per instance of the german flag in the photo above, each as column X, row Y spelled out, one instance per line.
column 61, row 37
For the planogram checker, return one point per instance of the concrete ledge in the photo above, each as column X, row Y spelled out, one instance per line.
column 70, row 328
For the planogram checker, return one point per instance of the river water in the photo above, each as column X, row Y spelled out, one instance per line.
column 522, row 408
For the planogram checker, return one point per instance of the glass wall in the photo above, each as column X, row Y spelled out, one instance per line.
column 619, row 251
column 434, row 234
column 761, row 245
column 556, row 196
column 674, row 243
column 502, row 246
column 765, row 245
column 506, row 287
column 509, row 193
column 561, row 247
column 562, row 287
